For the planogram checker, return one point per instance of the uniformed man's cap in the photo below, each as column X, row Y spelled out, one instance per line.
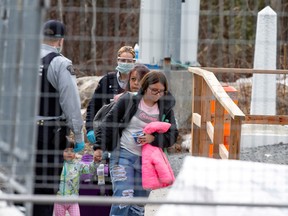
column 54, row 28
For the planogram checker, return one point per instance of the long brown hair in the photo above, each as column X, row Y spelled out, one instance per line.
column 141, row 70
column 151, row 78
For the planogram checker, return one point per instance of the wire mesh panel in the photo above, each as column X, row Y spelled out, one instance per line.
column 220, row 32
column 19, row 78
column 20, row 24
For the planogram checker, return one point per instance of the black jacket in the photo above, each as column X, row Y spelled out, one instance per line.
column 114, row 123
column 107, row 88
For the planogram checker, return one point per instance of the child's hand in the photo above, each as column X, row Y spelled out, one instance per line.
column 97, row 156
column 146, row 138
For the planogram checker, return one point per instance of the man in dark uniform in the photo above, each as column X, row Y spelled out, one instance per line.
column 59, row 112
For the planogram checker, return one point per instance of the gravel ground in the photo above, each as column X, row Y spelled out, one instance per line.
column 276, row 154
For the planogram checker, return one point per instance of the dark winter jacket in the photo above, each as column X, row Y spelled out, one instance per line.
column 107, row 87
column 114, row 123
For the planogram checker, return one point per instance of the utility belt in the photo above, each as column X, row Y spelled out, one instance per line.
column 51, row 121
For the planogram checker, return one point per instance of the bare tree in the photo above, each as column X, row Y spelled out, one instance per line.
column 60, row 6
column 93, row 35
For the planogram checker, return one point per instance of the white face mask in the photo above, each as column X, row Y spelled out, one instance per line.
column 59, row 49
column 60, row 45
column 125, row 67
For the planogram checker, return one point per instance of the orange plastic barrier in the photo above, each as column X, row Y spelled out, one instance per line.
column 233, row 93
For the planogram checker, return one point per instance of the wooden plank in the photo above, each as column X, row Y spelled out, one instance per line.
column 227, row 117
column 244, row 71
column 196, row 119
column 210, row 131
column 193, row 131
column 219, row 93
column 218, row 129
column 205, row 116
column 235, row 137
column 195, row 141
column 197, row 86
column 197, row 82
column 232, row 108
column 224, row 154
column 266, row 119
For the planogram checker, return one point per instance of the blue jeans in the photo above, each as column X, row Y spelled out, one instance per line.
column 126, row 177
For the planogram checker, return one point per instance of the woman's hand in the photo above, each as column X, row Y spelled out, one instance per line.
column 146, row 138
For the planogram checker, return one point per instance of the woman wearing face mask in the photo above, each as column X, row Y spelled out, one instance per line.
column 110, row 85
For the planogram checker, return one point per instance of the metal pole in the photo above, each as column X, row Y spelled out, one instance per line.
column 172, row 29
column 104, row 200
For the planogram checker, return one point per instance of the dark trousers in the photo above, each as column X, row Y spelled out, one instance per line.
column 51, row 141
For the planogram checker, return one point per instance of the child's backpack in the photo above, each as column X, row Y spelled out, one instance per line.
column 98, row 118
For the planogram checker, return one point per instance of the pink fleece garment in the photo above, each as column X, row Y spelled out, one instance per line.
column 156, row 169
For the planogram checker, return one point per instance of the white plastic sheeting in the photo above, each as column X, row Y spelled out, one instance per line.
column 9, row 210
column 228, row 181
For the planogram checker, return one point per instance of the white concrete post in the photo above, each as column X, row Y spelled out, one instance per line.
column 263, row 98
column 189, row 32
column 151, row 32
column 172, row 29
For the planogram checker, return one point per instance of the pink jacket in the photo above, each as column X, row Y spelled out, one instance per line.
column 156, row 169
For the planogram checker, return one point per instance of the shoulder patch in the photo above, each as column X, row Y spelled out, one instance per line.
column 71, row 70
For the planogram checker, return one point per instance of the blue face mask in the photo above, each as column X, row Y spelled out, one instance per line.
column 124, row 67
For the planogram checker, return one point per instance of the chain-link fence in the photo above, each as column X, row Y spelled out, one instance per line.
column 223, row 35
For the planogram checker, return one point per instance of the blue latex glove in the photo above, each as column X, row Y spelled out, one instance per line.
column 79, row 147
column 91, row 137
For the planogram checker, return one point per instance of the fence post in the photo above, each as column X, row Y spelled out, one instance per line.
column 235, row 137
column 205, row 117
column 197, row 82
column 218, row 129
